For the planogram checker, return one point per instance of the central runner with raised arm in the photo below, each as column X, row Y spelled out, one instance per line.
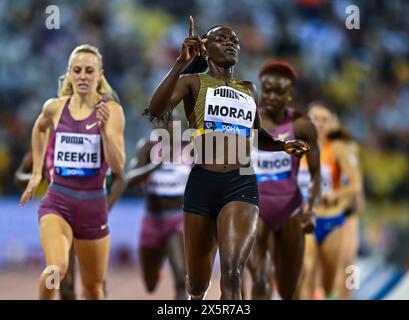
column 220, row 203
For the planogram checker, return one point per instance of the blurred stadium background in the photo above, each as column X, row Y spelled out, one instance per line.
column 362, row 73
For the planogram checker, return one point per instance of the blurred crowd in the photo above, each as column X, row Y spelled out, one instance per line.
column 362, row 74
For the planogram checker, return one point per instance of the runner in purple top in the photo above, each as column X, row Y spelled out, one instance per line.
column 283, row 220
column 115, row 185
column 161, row 234
column 89, row 128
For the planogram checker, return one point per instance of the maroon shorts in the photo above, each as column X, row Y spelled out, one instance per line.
column 156, row 229
column 85, row 211
column 276, row 210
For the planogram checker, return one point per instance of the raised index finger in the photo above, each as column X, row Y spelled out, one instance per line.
column 191, row 26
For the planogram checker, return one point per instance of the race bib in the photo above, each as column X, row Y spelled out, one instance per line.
column 326, row 180
column 77, row 154
column 169, row 180
column 229, row 110
column 304, row 181
column 271, row 166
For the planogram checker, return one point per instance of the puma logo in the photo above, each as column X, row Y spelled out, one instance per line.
column 90, row 126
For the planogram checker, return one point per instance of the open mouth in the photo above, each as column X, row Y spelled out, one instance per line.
column 83, row 86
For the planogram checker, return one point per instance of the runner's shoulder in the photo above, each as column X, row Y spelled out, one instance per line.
column 339, row 147
column 303, row 126
column 51, row 106
column 302, row 120
column 189, row 80
column 113, row 105
column 249, row 85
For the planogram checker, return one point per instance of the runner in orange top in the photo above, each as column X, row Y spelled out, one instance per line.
column 323, row 249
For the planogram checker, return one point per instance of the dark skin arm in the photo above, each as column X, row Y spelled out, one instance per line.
column 23, row 174
column 267, row 142
column 305, row 130
column 171, row 90
column 164, row 100
column 117, row 188
column 175, row 86
column 142, row 168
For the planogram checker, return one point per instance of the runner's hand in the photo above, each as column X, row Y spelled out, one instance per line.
column 297, row 148
column 192, row 44
column 308, row 223
column 30, row 190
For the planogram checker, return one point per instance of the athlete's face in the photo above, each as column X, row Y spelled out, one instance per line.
column 322, row 118
column 334, row 123
column 85, row 73
column 222, row 47
column 276, row 92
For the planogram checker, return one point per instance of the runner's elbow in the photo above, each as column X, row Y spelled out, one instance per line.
column 118, row 166
column 154, row 111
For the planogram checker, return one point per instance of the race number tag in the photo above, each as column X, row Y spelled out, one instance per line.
column 229, row 110
column 326, row 180
column 169, row 180
column 77, row 154
column 271, row 166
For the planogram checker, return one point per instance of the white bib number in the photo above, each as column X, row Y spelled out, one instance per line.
column 229, row 110
column 77, row 154
column 304, row 181
column 169, row 180
column 326, row 180
column 271, row 166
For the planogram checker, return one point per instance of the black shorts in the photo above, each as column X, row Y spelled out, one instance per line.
column 207, row 192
